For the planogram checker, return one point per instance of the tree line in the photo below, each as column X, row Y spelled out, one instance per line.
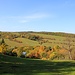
column 38, row 52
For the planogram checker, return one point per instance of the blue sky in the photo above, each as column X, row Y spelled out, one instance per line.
column 37, row 15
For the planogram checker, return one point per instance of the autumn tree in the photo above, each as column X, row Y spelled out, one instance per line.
column 18, row 51
column 69, row 47
column 54, row 53
column 3, row 47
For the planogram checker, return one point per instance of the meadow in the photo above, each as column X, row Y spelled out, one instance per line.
column 22, row 66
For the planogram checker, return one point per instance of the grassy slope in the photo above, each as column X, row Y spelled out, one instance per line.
column 59, row 40
column 28, row 42
column 19, row 66
column 11, row 43
column 25, row 42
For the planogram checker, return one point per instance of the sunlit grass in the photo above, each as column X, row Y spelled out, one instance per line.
column 28, row 42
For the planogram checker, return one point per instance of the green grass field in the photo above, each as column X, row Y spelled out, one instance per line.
column 28, row 42
column 22, row 66
column 25, row 42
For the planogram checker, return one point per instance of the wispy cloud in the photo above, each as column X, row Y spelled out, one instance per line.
column 37, row 15
column 33, row 17
column 29, row 18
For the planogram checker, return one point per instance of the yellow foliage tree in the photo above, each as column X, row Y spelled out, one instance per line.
column 41, row 50
column 0, row 49
column 3, row 48
column 52, row 55
column 18, row 51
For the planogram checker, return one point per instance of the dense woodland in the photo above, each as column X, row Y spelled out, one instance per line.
column 38, row 45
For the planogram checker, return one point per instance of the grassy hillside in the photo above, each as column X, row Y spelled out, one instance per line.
column 48, row 38
column 48, row 41
column 25, row 42
column 19, row 66
column 28, row 42
column 53, row 40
